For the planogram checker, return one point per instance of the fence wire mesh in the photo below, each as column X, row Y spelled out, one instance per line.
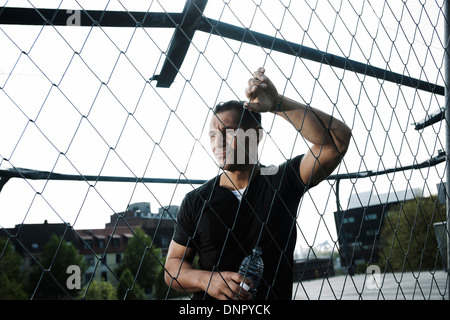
column 105, row 114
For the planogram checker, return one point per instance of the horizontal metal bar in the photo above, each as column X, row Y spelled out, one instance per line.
column 45, row 175
column 430, row 120
column 6, row 175
column 441, row 157
column 262, row 40
column 31, row 16
column 88, row 18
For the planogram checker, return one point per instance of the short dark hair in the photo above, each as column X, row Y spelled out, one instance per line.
column 249, row 119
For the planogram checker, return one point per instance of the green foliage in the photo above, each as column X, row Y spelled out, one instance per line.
column 361, row 268
column 100, row 290
column 128, row 289
column 49, row 279
column 11, row 279
column 141, row 273
column 142, row 260
column 407, row 239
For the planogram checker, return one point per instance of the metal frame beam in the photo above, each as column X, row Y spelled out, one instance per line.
column 88, row 18
column 447, row 126
column 181, row 41
column 185, row 25
column 6, row 174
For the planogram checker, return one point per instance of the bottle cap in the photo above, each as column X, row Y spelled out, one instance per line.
column 257, row 250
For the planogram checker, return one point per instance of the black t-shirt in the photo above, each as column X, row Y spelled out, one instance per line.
column 223, row 230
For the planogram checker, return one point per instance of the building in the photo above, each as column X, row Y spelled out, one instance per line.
column 359, row 225
column 101, row 262
column 313, row 268
column 102, row 248
column 29, row 240
column 159, row 226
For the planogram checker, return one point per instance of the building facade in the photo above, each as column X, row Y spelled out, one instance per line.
column 359, row 226
column 102, row 249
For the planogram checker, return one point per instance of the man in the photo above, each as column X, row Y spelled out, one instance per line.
column 248, row 205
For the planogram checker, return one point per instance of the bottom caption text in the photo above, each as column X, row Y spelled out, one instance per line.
column 232, row 309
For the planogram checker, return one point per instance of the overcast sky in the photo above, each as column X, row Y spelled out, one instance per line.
column 77, row 100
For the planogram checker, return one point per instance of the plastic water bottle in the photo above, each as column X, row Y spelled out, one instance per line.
column 252, row 268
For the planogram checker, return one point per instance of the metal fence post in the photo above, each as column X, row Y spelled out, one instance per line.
column 447, row 119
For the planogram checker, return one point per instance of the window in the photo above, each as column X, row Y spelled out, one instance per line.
column 87, row 277
column 87, row 244
column 371, row 216
column 116, row 242
column 349, row 219
column 89, row 261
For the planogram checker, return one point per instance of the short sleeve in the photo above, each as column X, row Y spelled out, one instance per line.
column 291, row 171
column 185, row 228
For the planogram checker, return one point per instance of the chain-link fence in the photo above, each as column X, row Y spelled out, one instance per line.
column 105, row 119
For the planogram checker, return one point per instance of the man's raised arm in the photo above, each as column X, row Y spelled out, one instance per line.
column 329, row 137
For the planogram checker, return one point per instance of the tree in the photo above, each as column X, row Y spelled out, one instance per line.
column 50, row 279
column 11, row 278
column 128, row 289
column 100, row 290
column 142, row 259
column 407, row 238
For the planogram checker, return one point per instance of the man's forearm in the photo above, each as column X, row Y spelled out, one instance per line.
column 182, row 276
column 220, row 285
column 315, row 126
column 328, row 136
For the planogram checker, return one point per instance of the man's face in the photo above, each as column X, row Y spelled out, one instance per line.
column 232, row 146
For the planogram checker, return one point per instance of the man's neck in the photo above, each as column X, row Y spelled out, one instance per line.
column 237, row 180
